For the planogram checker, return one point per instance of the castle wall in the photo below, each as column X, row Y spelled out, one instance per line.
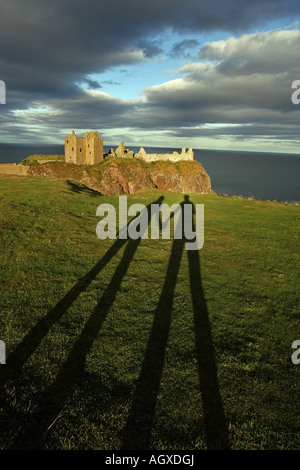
column 88, row 150
column 13, row 169
column 173, row 157
column 75, row 150
column 93, row 150
column 84, row 150
column 80, row 151
column 70, row 149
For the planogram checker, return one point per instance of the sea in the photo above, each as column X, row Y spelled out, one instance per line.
column 260, row 175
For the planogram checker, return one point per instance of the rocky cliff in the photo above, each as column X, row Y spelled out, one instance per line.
column 127, row 176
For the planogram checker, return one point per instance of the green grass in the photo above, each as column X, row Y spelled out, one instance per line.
column 142, row 344
column 34, row 159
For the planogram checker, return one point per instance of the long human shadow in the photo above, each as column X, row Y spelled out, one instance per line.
column 137, row 432
column 33, row 338
column 216, row 430
column 82, row 188
column 52, row 400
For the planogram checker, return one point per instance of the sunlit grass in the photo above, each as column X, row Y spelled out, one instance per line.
column 79, row 380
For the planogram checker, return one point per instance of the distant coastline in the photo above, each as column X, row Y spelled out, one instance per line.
column 260, row 175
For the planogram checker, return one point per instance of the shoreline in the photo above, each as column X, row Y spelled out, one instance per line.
column 262, row 176
column 215, row 193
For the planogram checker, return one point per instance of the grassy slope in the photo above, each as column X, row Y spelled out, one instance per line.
column 97, row 332
column 34, row 159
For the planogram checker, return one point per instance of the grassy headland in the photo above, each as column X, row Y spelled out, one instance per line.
column 141, row 344
column 35, row 159
column 114, row 176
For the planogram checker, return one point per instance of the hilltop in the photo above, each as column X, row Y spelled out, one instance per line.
column 115, row 344
column 114, row 176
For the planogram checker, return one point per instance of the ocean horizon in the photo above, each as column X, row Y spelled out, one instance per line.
column 260, row 175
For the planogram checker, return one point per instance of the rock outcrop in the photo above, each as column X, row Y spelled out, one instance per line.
column 127, row 176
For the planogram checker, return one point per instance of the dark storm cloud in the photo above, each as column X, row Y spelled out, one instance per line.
column 92, row 84
column 210, row 92
column 182, row 48
column 111, row 82
column 46, row 45
column 150, row 48
column 48, row 48
column 266, row 52
column 240, row 132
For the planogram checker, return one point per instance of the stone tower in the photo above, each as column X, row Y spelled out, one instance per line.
column 93, row 148
column 86, row 150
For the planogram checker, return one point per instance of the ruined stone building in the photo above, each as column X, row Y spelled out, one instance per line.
column 123, row 152
column 172, row 157
column 86, row 150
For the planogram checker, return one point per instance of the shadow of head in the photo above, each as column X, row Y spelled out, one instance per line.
column 187, row 199
column 80, row 188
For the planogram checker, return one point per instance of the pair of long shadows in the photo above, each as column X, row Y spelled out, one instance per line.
column 137, row 432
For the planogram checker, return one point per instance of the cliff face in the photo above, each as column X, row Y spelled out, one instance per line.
column 126, row 176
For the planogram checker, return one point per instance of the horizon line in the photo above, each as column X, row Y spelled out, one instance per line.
column 158, row 146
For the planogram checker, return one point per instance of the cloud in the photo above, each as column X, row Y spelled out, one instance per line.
column 48, row 45
column 111, row 82
column 267, row 52
column 182, row 48
column 150, row 48
column 48, row 48
column 248, row 77
column 93, row 84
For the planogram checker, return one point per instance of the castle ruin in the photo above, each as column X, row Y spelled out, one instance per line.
column 86, row 150
column 173, row 157
column 123, row 152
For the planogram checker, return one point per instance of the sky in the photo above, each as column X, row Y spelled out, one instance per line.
column 165, row 73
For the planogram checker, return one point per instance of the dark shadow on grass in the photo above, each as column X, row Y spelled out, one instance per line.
column 137, row 433
column 32, row 340
column 81, row 188
column 216, row 430
column 52, row 401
